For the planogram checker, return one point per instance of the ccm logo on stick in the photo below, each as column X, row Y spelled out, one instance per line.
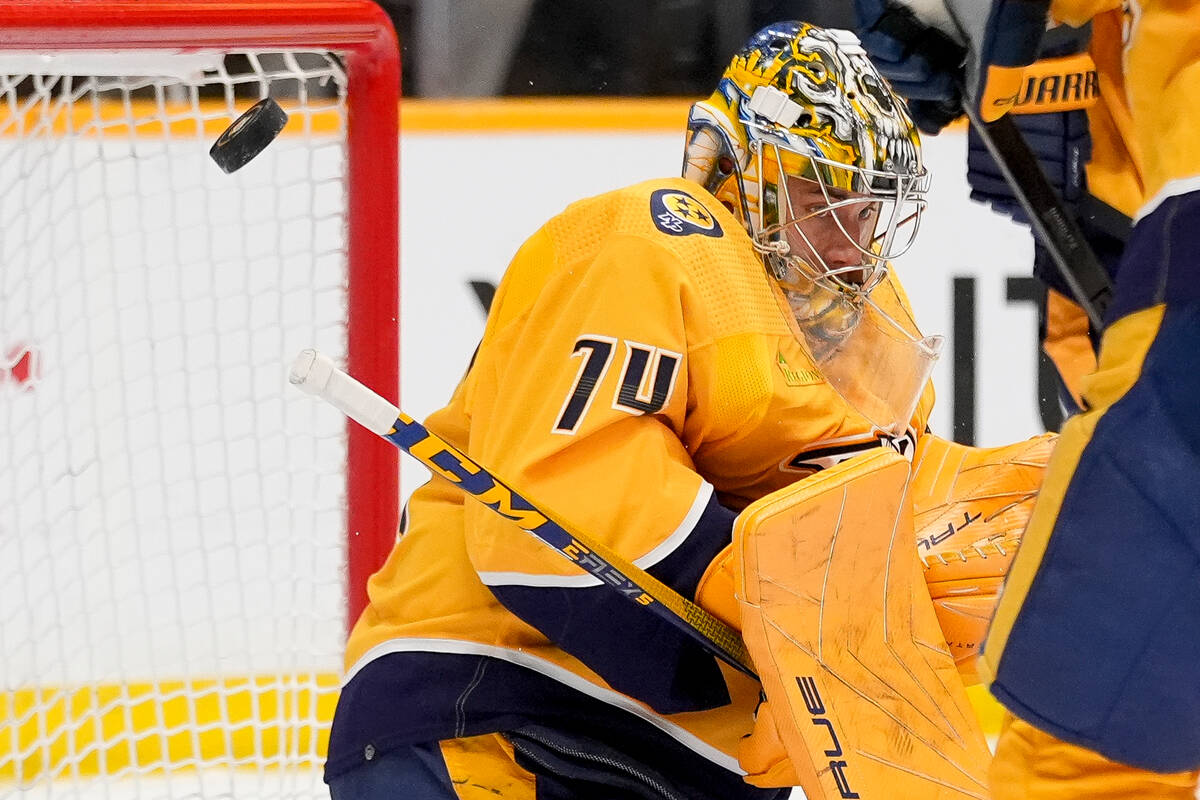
column 816, row 707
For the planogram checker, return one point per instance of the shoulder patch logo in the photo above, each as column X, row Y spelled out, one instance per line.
column 679, row 214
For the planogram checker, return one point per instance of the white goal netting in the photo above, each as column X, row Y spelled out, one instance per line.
column 172, row 514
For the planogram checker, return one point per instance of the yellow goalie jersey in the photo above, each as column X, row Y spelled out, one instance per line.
column 640, row 376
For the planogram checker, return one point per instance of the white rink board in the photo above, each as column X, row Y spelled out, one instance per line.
column 197, row 785
column 187, row 503
column 468, row 201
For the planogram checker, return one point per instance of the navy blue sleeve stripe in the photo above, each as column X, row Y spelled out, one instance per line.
column 634, row 651
column 664, row 549
column 1161, row 255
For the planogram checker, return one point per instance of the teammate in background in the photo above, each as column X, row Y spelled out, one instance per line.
column 641, row 371
column 1071, row 110
column 1094, row 645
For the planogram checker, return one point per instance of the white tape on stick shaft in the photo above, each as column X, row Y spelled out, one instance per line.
column 316, row 374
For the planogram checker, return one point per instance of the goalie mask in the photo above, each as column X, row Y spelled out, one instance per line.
column 809, row 147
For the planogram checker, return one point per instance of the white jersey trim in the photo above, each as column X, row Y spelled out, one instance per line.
column 557, row 673
column 1170, row 189
column 664, row 549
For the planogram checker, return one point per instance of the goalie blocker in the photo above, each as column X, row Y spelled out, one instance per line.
column 863, row 695
column 865, row 647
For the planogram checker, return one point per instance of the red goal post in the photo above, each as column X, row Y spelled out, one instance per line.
column 163, row 128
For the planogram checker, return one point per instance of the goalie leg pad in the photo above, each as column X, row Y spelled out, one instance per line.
column 864, row 695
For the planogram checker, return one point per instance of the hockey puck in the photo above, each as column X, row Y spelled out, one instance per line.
column 249, row 135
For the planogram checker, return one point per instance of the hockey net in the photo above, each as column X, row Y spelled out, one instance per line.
column 176, row 524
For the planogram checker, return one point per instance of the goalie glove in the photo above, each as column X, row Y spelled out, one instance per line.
column 1051, row 114
column 970, row 506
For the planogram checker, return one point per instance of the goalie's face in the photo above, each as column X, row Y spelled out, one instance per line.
column 831, row 230
column 835, row 224
column 823, row 253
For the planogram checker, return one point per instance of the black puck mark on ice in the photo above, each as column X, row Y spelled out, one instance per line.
column 249, row 135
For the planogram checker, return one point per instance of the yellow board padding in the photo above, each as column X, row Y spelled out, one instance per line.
column 51, row 732
column 517, row 114
column 151, row 119
column 208, row 118
column 116, row 727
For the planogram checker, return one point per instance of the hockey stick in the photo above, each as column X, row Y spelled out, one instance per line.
column 317, row 375
column 1055, row 227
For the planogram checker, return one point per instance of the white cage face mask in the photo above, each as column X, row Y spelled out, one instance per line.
column 880, row 365
column 809, row 146
column 827, row 240
column 835, row 224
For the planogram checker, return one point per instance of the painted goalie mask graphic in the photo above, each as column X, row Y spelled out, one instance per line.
column 808, row 146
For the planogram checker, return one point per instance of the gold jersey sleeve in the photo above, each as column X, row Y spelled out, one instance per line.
column 1147, row 54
